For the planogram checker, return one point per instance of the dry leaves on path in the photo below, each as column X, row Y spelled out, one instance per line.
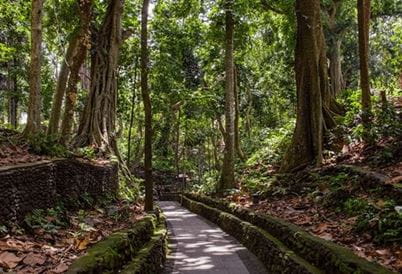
column 52, row 252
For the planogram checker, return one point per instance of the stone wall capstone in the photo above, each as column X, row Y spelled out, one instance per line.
column 44, row 184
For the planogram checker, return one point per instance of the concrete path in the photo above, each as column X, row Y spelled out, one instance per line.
column 199, row 246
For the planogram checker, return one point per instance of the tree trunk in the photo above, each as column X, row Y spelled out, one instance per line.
column 13, row 98
column 34, row 105
column 132, row 112
column 335, row 68
column 363, row 9
column 249, row 112
column 78, row 58
column 237, row 117
column 227, row 178
column 58, row 96
column 98, row 121
column 335, row 43
column 312, row 88
column 215, row 144
column 177, row 142
column 147, row 109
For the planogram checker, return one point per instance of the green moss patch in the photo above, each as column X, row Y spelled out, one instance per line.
column 325, row 255
column 151, row 258
column 116, row 250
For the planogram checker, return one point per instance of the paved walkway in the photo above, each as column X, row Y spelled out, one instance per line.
column 199, row 246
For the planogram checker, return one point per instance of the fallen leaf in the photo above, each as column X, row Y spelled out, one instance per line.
column 82, row 244
column 33, row 259
column 326, row 236
column 321, row 228
column 60, row 268
column 9, row 260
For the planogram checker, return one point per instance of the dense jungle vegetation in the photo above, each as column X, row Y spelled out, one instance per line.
column 289, row 107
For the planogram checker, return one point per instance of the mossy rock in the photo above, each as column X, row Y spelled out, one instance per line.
column 326, row 255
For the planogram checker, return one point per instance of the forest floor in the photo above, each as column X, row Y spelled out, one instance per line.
column 14, row 149
column 354, row 200
column 49, row 240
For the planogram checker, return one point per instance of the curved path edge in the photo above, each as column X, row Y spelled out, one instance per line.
column 199, row 246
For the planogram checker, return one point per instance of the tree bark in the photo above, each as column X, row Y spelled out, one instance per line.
column 177, row 142
column 335, row 68
column 239, row 151
column 98, row 121
column 312, row 88
column 132, row 112
column 13, row 98
column 228, row 178
column 34, row 106
column 363, row 9
column 78, row 58
column 147, row 109
column 335, row 43
column 58, row 96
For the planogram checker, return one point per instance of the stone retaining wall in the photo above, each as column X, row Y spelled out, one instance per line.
column 327, row 256
column 44, row 184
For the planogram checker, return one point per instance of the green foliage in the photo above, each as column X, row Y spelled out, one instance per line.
column 49, row 220
column 270, row 145
column 208, row 184
column 385, row 120
column 47, row 145
column 87, row 152
column 129, row 188
column 355, row 206
column 384, row 224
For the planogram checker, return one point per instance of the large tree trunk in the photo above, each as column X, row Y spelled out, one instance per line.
column 78, row 58
column 34, row 105
column 149, row 187
column 227, row 178
column 58, row 96
column 312, row 88
column 363, row 8
column 98, row 121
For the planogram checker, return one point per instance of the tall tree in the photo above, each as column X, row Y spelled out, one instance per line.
column 13, row 97
column 58, row 96
column 98, row 121
column 236, row 88
column 34, row 106
column 147, row 108
column 335, row 32
column 78, row 58
column 228, row 178
column 363, row 11
column 133, row 98
column 312, row 88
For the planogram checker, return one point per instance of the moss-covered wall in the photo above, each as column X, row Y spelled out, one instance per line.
column 276, row 257
column 41, row 185
column 325, row 255
column 141, row 249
